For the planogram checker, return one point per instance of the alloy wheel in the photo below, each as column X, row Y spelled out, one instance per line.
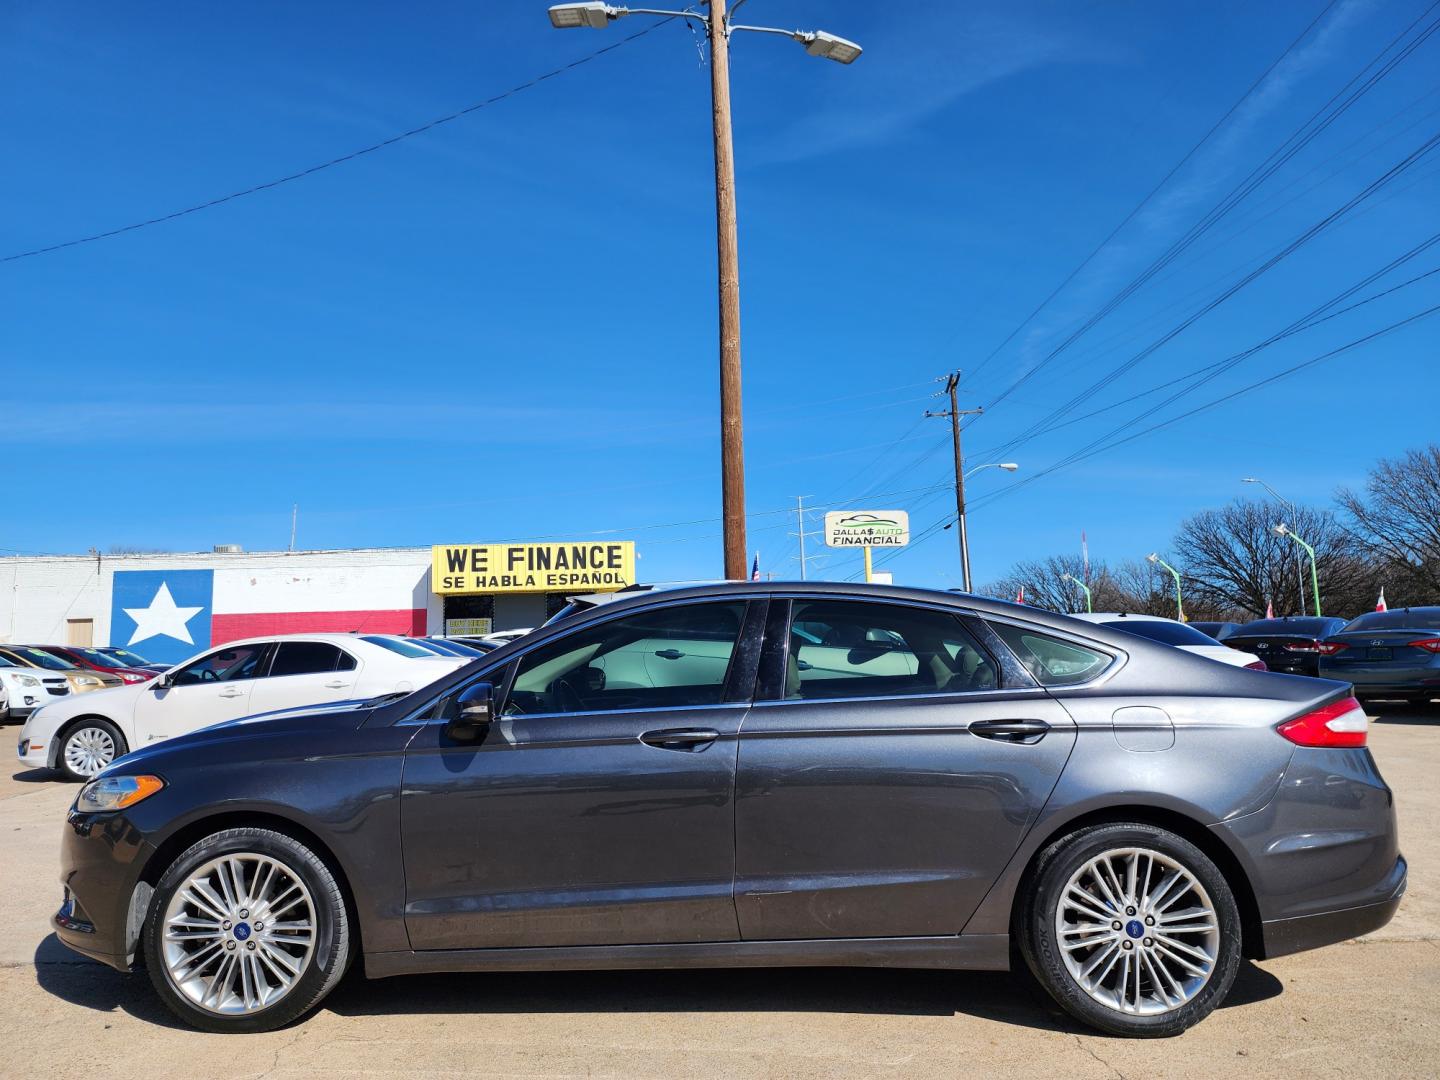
column 88, row 750
column 239, row 933
column 1137, row 931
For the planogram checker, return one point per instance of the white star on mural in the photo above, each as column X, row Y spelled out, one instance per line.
column 162, row 618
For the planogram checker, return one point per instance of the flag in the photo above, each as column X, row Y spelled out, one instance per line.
column 1020, row 596
column 1380, row 604
column 1269, row 610
column 755, row 568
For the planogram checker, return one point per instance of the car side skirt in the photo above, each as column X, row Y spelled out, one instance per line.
column 969, row 952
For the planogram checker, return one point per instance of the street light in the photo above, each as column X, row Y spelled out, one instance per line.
column 1179, row 602
column 1299, row 570
column 1008, row 466
column 1076, row 581
column 1284, row 530
column 719, row 28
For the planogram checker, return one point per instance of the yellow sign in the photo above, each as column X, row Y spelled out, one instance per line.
column 497, row 568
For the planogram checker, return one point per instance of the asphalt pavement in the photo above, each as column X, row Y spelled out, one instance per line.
column 1362, row 1008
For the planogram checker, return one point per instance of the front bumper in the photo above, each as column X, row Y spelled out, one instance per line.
column 102, row 857
column 35, row 755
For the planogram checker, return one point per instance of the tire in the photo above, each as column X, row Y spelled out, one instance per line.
column 88, row 746
column 1174, row 986
column 230, row 873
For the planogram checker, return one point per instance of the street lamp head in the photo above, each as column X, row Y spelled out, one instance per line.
column 1249, row 480
column 595, row 16
column 1281, row 530
column 1153, row 557
column 828, row 46
column 1009, row 466
column 1067, row 577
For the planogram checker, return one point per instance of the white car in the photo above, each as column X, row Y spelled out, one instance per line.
column 83, row 734
column 1172, row 632
column 504, row 637
column 29, row 688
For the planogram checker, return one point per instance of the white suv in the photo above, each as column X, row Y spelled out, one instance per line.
column 84, row 733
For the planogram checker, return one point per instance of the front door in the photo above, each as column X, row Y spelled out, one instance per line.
column 599, row 807
column 207, row 690
column 884, row 785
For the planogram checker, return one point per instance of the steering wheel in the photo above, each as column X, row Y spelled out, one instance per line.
column 208, row 675
column 566, row 697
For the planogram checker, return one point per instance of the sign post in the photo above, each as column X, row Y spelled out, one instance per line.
column 867, row 529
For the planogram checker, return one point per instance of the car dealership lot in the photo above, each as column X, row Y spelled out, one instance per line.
column 1350, row 1007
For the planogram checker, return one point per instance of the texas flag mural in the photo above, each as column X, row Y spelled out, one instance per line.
column 171, row 615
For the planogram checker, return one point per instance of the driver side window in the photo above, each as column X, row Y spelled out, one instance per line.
column 223, row 665
column 666, row 658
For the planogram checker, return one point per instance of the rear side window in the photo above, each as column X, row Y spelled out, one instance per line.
column 1051, row 661
column 309, row 658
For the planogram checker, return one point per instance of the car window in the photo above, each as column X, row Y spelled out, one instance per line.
column 847, row 649
column 41, row 658
column 1167, row 633
column 225, row 665
column 1051, row 661
column 397, row 645
column 667, row 658
column 1420, row 619
column 308, row 658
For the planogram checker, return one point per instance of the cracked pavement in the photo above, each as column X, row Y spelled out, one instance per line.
column 1359, row 1007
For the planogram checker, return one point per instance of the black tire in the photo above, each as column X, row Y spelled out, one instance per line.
column 83, row 730
column 1039, row 939
column 323, row 965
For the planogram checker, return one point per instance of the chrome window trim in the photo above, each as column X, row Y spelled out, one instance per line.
column 413, row 721
column 954, row 697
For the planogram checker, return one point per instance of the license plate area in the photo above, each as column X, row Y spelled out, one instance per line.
column 1381, row 653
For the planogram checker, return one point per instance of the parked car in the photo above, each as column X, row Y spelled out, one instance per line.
column 1218, row 630
column 86, row 656
column 78, row 680
column 445, row 647
column 1387, row 654
column 1172, row 632
column 1290, row 644
column 967, row 771
column 28, row 688
column 504, row 637
column 256, row 675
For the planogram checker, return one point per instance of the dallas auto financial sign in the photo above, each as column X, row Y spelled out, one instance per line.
column 491, row 568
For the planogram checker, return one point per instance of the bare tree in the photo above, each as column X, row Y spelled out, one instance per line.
column 1397, row 522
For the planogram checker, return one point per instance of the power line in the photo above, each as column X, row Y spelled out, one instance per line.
column 344, row 158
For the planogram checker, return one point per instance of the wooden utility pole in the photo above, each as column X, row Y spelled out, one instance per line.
column 732, row 436
column 952, row 384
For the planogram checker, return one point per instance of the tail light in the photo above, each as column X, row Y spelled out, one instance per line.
column 1302, row 646
column 1341, row 723
column 1330, row 648
column 1258, row 665
column 1429, row 644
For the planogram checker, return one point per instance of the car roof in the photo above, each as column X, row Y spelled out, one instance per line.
column 331, row 638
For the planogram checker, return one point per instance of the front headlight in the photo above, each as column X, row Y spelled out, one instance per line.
column 116, row 792
column 128, row 677
column 87, row 680
column 27, row 680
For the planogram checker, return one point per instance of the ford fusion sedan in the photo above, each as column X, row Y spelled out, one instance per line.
column 1180, row 635
column 1290, row 644
column 754, row 774
column 1387, row 654
column 82, row 736
column 78, row 680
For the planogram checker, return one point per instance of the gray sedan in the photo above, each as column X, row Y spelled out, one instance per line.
column 754, row 774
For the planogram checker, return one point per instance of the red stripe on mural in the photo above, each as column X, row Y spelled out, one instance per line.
column 225, row 628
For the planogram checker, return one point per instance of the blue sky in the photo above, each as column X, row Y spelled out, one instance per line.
column 505, row 327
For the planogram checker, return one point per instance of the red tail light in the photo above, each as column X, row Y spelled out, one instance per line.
column 1302, row 646
column 1330, row 648
column 1258, row 665
column 1429, row 644
column 1341, row 723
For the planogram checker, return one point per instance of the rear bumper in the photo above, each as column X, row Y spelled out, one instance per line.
column 1285, row 936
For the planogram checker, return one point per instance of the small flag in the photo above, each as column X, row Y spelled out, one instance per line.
column 1269, row 610
column 755, row 568
column 1380, row 604
column 1020, row 596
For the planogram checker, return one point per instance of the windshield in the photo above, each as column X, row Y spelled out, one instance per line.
column 41, row 658
column 1167, row 633
column 95, row 656
column 1417, row 619
column 399, row 645
column 125, row 656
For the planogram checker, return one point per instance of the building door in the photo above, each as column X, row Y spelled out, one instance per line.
column 79, row 631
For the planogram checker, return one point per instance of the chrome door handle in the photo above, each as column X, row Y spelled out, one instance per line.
column 669, row 654
column 232, row 691
column 680, row 738
column 335, row 684
column 1015, row 731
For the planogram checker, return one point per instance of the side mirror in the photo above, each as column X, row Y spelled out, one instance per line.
column 165, row 681
column 476, row 708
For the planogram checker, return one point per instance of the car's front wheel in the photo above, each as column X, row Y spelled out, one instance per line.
column 89, row 746
column 1132, row 929
column 247, row 931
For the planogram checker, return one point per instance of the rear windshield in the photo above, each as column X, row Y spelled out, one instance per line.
column 1285, row 628
column 1414, row 619
column 397, row 645
column 1167, row 633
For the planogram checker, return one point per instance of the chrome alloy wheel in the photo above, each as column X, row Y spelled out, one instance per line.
column 88, row 750
column 239, row 933
column 1138, row 932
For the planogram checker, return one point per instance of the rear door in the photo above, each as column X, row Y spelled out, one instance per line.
column 305, row 673
column 882, row 787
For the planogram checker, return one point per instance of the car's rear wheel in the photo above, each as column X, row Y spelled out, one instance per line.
column 247, row 931
column 1132, row 929
column 89, row 746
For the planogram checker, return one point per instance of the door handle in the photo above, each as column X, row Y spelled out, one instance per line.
column 669, row 654
column 232, row 691
column 1015, row 731
column 680, row 738
column 335, row 684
